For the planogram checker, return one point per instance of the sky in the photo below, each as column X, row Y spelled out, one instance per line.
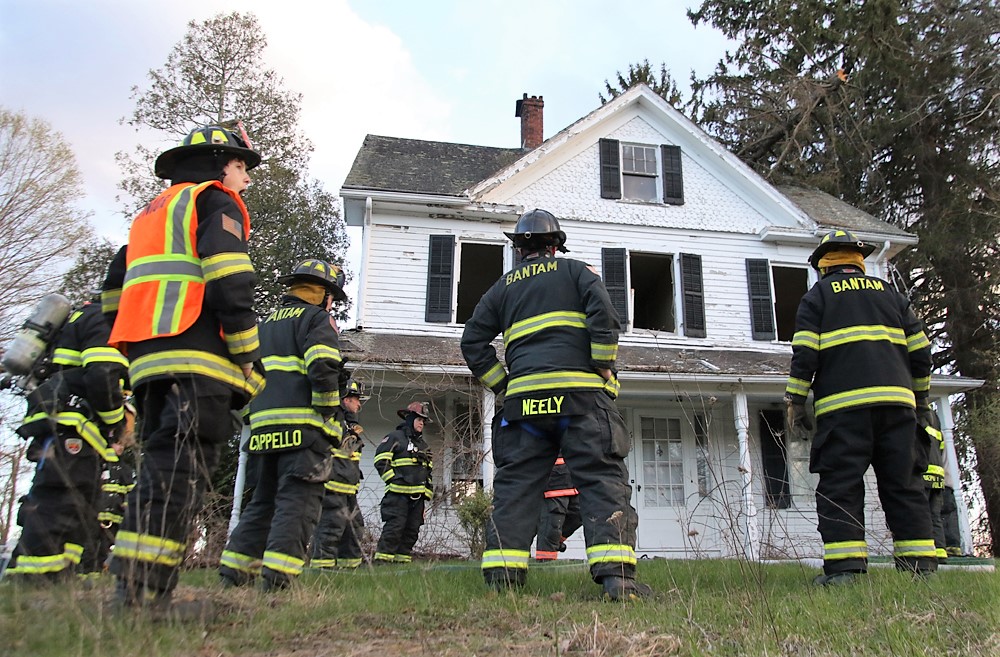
column 445, row 70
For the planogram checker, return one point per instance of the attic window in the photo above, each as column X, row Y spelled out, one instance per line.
column 638, row 172
column 641, row 172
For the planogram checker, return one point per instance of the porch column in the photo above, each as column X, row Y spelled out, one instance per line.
column 751, row 544
column 948, row 429
column 488, row 406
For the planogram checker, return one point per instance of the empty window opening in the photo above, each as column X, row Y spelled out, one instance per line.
column 639, row 172
column 480, row 267
column 652, row 277
column 774, row 459
column 790, row 283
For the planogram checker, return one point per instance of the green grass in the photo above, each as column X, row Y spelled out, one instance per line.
column 700, row 608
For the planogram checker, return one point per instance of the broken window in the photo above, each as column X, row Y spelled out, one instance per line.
column 790, row 283
column 772, row 314
column 480, row 265
column 652, row 278
column 774, row 459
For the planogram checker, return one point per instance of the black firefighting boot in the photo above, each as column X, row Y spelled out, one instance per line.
column 844, row 578
column 624, row 589
column 503, row 579
column 158, row 605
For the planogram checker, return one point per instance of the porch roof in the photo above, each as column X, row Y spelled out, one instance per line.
column 434, row 354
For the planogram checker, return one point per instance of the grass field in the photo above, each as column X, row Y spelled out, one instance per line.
column 443, row 608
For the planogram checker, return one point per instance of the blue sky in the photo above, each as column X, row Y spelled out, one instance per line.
column 441, row 70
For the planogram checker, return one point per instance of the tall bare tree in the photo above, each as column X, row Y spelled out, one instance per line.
column 41, row 224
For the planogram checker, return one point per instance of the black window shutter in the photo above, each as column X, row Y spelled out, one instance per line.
column 613, row 269
column 759, row 287
column 611, row 179
column 694, row 296
column 673, row 179
column 440, row 263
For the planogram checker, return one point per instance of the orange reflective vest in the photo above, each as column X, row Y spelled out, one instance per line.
column 164, row 284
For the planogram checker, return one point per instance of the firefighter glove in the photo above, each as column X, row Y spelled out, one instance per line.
column 797, row 416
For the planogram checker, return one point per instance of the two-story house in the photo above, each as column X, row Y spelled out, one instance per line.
column 705, row 262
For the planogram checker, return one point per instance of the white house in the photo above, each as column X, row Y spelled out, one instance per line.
column 705, row 261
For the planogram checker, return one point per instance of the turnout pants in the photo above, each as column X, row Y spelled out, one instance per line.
column 58, row 517
column 560, row 517
column 274, row 529
column 594, row 446
column 183, row 425
column 337, row 542
column 845, row 444
column 402, row 517
column 949, row 519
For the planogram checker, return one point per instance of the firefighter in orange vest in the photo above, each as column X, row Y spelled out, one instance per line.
column 560, row 515
column 185, row 320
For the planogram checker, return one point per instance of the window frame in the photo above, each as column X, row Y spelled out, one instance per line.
column 457, row 242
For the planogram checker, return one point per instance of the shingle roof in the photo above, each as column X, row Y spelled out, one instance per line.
column 391, row 349
column 431, row 167
column 828, row 210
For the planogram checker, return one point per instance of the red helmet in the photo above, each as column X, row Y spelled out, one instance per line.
column 420, row 409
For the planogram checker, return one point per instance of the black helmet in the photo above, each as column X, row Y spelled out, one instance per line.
column 836, row 240
column 354, row 388
column 537, row 228
column 209, row 140
column 317, row 271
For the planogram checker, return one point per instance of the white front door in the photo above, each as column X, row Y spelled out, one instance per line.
column 665, row 481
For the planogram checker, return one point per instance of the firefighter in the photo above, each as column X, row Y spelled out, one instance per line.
column 117, row 479
column 185, row 319
column 560, row 515
column 931, row 442
column 860, row 349
column 561, row 339
column 337, row 543
column 73, row 419
column 403, row 460
column 294, row 424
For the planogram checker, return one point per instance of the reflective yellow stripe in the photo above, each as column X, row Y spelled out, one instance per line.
column 149, row 549
column 408, row 490
column 241, row 562
column 325, row 398
column 611, row 553
column 188, row 361
column 383, row 556
column 67, row 357
column 112, row 417
column 110, row 300
column 88, row 431
column 494, row 376
column 554, row 381
column 403, row 461
column 103, row 355
column 544, row 321
column 613, row 387
column 862, row 333
column 923, row 384
column 283, row 563
column 914, row 548
column 221, row 265
column 348, row 563
column 107, row 516
column 845, row 550
column 603, row 352
column 797, row 386
column 917, row 341
column 865, row 396
column 318, row 351
column 340, row 487
column 242, row 342
column 808, row 339
column 39, row 565
column 293, row 416
column 506, row 559
column 934, row 471
column 292, row 364
column 323, row 563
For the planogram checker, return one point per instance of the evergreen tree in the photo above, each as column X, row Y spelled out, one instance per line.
column 893, row 106
column 216, row 75
column 642, row 73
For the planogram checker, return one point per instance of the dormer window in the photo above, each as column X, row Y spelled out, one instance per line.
column 641, row 172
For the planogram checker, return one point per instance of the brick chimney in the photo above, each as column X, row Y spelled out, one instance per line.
column 530, row 111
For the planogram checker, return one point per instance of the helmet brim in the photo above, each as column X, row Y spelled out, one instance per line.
column 864, row 249
column 403, row 413
column 336, row 291
column 167, row 160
